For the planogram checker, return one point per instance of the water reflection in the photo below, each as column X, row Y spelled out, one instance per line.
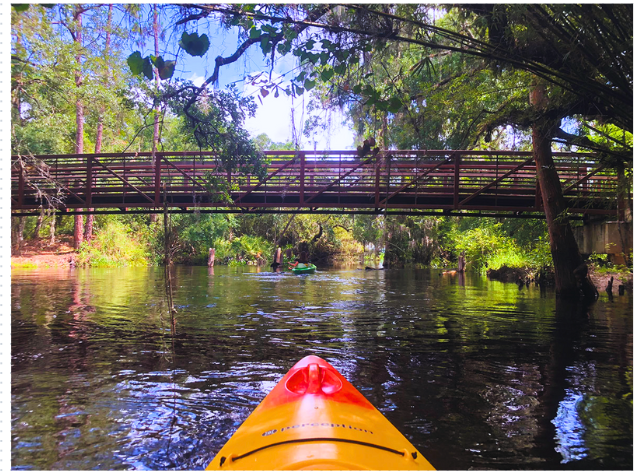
column 477, row 374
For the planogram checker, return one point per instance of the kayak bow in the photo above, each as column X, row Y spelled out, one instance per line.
column 315, row 419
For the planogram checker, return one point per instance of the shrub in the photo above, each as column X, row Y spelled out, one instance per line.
column 113, row 245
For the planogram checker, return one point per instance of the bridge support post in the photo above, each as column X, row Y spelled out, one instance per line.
column 302, row 160
column 157, row 164
column 622, row 187
column 377, row 198
column 21, row 185
column 456, row 181
column 89, row 181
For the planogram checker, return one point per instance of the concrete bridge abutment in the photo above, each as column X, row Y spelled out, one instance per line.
column 613, row 238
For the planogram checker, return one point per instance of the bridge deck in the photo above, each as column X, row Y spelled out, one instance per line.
column 448, row 180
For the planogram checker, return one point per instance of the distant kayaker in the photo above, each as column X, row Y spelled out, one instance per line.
column 303, row 258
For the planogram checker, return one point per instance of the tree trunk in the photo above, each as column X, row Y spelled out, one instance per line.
column 15, row 239
column 78, row 227
column 79, row 145
column 387, row 257
column 564, row 249
column 52, row 230
column 88, row 228
column 462, row 263
column 36, row 231
column 156, row 116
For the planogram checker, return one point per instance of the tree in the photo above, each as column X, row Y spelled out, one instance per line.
column 88, row 229
column 561, row 45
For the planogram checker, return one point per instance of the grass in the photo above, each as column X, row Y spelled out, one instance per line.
column 24, row 265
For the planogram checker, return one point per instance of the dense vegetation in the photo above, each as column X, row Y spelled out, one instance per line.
column 412, row 76
column 251, row 239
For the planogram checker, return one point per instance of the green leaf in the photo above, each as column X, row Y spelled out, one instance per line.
column 147, row 68
column 20, row 7
column 135, row 63
column 324, row 57
column 326, row 44
column 284, row 48
column 269, row 29
column 372, row 101
column 301, row 76
column 193, row 44
column 265, row 44
column 395, row 104
column 357, row 89
column 167, row 70
column 340, row 68
column 327, row 74
column 299, row 90
column 310, row 44
column 309, row 84
column 254, row 33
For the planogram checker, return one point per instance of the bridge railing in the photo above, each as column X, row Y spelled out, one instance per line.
column 491, row 180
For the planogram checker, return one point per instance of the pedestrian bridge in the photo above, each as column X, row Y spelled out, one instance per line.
column 420, row 181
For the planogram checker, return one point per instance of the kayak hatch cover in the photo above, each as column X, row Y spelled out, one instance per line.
column 314, row 419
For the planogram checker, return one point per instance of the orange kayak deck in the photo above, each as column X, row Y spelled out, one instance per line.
column 315, row 419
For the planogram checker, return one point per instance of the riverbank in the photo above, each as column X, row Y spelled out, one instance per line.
column 39, row 253
column 600, row 279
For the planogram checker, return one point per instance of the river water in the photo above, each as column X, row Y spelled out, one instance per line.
column 477, row 374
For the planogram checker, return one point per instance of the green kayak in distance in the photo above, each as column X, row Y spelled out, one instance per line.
column 304, row 268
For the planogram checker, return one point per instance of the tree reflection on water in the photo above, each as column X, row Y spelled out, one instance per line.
column 477, row 374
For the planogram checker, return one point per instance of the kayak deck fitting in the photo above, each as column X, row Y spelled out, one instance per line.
column 314, row 419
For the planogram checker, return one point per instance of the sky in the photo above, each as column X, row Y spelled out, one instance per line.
column 274, row 115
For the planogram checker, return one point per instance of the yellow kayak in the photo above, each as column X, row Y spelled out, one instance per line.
column 314, row 419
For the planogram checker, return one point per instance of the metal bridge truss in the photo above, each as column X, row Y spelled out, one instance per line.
column 308, row 181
